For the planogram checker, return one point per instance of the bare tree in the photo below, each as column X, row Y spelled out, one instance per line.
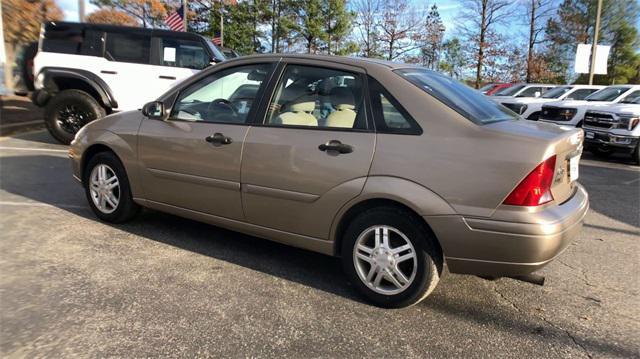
column 367, row 24
column 400, row 27
column 538, row 11
column 477, row 20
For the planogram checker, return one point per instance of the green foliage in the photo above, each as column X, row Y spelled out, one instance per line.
column 454, row 61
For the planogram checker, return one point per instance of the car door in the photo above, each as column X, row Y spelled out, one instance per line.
column 312, row 152
column 192, row 160
column 127, row 70
column 175, row 59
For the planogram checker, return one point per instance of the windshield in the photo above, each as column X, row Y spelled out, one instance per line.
column 634, row 98
column 486, row 87
column 468, row 102
column 607, row 94
column 216, row 52
column 509, row 91
column 557, row 92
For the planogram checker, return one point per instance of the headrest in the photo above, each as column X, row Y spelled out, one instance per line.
column 342, row 98
column 303, row 106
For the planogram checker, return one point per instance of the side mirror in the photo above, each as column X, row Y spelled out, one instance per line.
column 214, row 61
column 538, row 93
column 155, row 110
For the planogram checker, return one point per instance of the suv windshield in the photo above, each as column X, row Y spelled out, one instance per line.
column 607, row 94
column 557, row 92
column 633, row 98
column 486, row 87
column 509, row 91
column 468, row 102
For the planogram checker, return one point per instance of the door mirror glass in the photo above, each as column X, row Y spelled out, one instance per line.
column 154, row 110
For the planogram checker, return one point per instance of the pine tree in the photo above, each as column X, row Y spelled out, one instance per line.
column 434, row 33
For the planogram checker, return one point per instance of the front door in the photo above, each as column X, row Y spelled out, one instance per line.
column 312, row 153
column 192, row 160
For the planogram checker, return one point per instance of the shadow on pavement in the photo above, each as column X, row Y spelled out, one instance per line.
column 44, row 173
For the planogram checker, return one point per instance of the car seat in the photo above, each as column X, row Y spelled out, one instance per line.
column 344, row 103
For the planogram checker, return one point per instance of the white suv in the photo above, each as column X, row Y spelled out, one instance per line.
column 571, row 113
column 521, row 90
column 84, row 71
column 614, row 128
column 530, row 107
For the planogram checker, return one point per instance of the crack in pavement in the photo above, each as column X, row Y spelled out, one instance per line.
column 551, row 324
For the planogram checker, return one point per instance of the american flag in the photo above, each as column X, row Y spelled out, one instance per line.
column 175, row 20
column 217, row 39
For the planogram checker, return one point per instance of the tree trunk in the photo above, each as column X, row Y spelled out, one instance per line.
column 481, row 44
column 274, row 29
column 532, row 27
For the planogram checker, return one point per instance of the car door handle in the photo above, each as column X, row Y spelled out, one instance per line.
column 218, row 139
column 108, row 72
column 167, row 77
column 337, row 146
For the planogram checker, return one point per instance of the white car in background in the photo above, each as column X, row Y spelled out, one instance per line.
column 530, row 107
column 614, row 128
column 571, row 113
column 521, row 90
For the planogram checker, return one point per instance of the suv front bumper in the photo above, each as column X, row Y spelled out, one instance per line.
column 493, row 248
column 603, row 138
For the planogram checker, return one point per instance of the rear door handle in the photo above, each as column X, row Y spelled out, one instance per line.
column 336, row 146
column 109, row 72
column 167, row 77
column 218, row 139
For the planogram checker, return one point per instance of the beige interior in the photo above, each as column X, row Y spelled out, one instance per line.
column 299, row 114
column 344, row 103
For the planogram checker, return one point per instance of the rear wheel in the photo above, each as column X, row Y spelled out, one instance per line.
column 391, row 258
column 107, row 189
column 68, row 111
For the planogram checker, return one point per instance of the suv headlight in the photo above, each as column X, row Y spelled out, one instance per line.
column 566, row 114
column 628, row 121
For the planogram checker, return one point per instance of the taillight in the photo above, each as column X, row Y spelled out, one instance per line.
column 535, row 189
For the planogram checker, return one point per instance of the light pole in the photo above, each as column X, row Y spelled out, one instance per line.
column 81, row 10
column 595, row 43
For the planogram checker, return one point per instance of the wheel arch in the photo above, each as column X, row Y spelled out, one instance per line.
column 90, row 152
column 59, row 79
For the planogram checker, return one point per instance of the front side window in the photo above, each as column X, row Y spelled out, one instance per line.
column 318, row 97
column 557, row 92
column 226, row 96
column 458, row 96
column 608, row 94
column 128, row 48
column 183, row 53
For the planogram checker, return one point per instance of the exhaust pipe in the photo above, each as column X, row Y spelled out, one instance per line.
column 529, row 278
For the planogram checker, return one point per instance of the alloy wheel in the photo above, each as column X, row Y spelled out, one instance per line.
column 385, row 260
column 104, row 188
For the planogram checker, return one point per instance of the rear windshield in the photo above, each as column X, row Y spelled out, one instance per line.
column 557, row 92
column 607, row 94
column 509, row 91
column 469, row 102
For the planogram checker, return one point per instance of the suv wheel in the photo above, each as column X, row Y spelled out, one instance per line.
column 388, row 254
column 636, row 155
column 107, row 189
column 68, row 111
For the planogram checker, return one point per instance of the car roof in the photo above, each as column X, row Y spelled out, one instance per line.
column 343, row 60
column 121, row 29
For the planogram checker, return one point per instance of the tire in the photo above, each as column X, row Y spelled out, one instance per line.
column 68, row 111
column 636, row 155
column 602, row 152
column 125, row 208
column 422, row 271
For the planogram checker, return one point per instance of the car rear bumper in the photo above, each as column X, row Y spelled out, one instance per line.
column 493, row 248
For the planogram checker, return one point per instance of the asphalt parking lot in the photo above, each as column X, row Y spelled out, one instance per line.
column 166, row 286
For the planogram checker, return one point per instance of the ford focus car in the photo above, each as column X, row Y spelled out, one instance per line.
column 396, row 169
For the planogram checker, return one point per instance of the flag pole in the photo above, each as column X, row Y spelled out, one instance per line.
column 184, row 15
column 221, row 24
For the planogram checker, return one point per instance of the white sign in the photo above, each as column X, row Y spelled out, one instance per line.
column 169, row 54
column 583, row 59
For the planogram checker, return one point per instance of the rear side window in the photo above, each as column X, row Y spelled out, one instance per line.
column 64, row 39
column 128, row 48
column 532, row 92
column 183, row 53
column 468, row 102
column 388, row 114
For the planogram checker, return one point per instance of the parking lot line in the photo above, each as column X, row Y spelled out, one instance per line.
column 38, row 204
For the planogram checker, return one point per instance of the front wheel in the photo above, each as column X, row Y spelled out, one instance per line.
column 636, row 155
column 391, row 258
column 68, row 111
column 107, row 189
